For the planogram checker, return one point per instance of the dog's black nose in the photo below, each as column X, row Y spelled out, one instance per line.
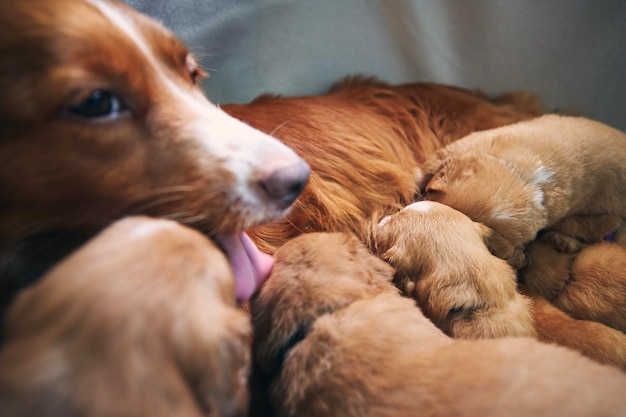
column 285, row 184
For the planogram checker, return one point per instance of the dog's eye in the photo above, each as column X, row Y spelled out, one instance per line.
column 195, row 72
column 98, row 104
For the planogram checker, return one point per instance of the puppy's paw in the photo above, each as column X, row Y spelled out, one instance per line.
column 513, row 318
column 504, row 249
column 518, row 259
column 561, row 242
column 588, row 228
column 550, row 271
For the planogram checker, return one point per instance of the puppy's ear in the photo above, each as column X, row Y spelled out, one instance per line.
column 376, row 269
column 448, row 168
column 437, row 183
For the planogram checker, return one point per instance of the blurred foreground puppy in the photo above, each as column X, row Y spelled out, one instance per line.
column 141, row 321
column 339, row 340
column 566, row 173
column 442, row 261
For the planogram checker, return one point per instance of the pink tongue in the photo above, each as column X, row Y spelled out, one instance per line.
column 251, row 267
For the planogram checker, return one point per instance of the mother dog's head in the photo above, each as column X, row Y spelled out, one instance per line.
column 101, row 117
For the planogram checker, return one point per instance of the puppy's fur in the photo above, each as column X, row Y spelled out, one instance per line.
column 363, row 140
column 588, row 285
column 141, row 321
column 442, row 261
column 101, row 117
column 591, row 338
column 341, row 341
column 566, row 173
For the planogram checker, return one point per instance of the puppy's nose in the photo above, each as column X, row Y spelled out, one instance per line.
column 285, row 184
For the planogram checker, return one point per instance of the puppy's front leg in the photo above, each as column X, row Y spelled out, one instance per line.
column 566, row 235
column 504, row 249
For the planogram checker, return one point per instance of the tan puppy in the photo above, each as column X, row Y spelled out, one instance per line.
column 567, row 173
column 340, row 341
column 442, row 262
column 589, row 285
column 141, row 321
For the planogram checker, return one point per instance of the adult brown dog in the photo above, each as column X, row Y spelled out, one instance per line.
column 563, row 173
column 101, row 117
column 340, row 340
column 364, row 140
column 141, row 321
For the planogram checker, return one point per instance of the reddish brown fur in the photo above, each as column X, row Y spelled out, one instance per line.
column 141, row 321
column 352, row 346
column 364, row 140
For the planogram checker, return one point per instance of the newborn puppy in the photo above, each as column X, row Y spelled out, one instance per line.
column 588, row 285
column 566, row 173
column 442, row 261
column 141, row 321
column 340, row 341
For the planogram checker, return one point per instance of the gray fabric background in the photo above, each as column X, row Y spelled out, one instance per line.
column 571, row 52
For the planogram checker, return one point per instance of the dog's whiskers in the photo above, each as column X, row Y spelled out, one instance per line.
column 186, row 217
column 150, row 200
column 158, row 202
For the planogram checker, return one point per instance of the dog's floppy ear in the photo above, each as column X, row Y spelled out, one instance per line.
column 502, row 248
column 429, row 169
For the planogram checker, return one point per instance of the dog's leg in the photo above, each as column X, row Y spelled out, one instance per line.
column 548, row 272
column 502, row 248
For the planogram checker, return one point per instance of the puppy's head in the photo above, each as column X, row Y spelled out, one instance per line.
column 314, row 274
column 433, row 246
column 146, row 307
column 491, row 192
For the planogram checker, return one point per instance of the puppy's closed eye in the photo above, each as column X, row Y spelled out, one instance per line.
column 460, row 311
